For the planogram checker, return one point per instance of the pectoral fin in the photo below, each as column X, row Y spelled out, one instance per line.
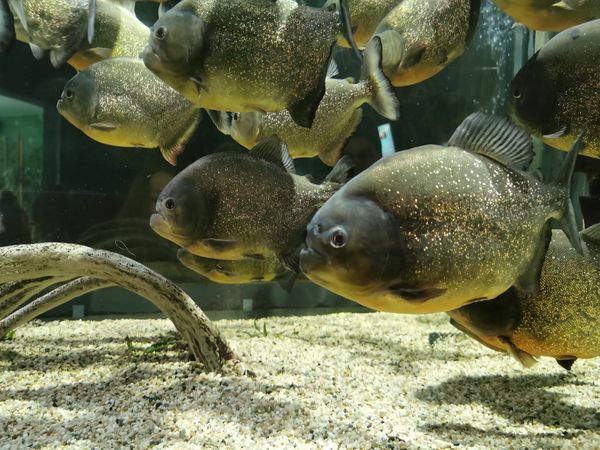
column 416, row 295
column 523, row 357
column 37, row 52
column 563, row 5
column 287, row 280
column 219, row 245
column 103, row 126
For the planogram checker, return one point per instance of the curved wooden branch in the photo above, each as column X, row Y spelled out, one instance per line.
column 69, row 261
column 18, row 293
column 51, row 300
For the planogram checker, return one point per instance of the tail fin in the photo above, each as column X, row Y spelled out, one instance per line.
column 563, row 181
column 383, row 100
column 342, row 171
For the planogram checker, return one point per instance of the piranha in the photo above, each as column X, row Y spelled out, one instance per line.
column 7, row 27
column 120, row 102
column 337, row 118
column 554, row 101
column 561, row 321
column 365, row 16
column 239, row 272
column 434, row 228
column 550, row 15
column 118, row 32
column 207, row 50
column 248, row 205
column 420, row 38
column 59, row 26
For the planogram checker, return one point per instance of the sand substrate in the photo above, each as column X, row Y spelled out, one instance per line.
column 324, row 382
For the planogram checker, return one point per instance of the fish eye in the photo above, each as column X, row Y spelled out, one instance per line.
column 517, row 94
column 338, row 238
column 160, row 33
column 69, row 93
column 236, row 116
column 220, row 268
column 170, row 203
column 332, row 7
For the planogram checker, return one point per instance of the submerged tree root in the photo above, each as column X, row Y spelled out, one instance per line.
column 73, row 270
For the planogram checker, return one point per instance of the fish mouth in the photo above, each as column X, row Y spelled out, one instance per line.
column 160, row 225
column 311, row 259
column 151, row 58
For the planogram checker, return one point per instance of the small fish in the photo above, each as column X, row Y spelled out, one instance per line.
column 14, row 227
column 239, row 272
column 59, row 26
column 365, row 16
column 120, row 102
column 433, row 228
column 550, row 15
column 337, row 118
column 248, row 205
column 208, row 51
column 420, row 38
column 556, row 102
column 561, row 321
column 7, row 27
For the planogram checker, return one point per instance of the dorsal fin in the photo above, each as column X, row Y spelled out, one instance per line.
column 494, row 137
column 274, row 150
column 332, row 70
column 127, row 4
column 591, row 234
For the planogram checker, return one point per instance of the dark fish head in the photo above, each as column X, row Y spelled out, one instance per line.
column 532, row 99
column 181, row 210
column 353, row 246
column 79, row 100
column 246, row 127
column 176, row 44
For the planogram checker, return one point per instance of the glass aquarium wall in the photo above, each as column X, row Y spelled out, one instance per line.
column 73, row 189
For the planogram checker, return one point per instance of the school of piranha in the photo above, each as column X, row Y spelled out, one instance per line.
column 461, row 228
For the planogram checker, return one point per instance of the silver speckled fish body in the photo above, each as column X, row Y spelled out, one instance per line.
column 562, row 320
column 461, row 228
column 336, row 119
column 255, row 206
column 260, row 55
column 118, row 30
column 550, row 15
column 365, row 16
column 424, row 37
column 52, row 24
column 233, row 272
column 556, row 102
column 120, row 102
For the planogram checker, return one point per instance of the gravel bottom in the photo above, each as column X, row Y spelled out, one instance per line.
column 336, row 381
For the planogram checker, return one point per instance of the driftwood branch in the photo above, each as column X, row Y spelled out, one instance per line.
column 43, row 265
